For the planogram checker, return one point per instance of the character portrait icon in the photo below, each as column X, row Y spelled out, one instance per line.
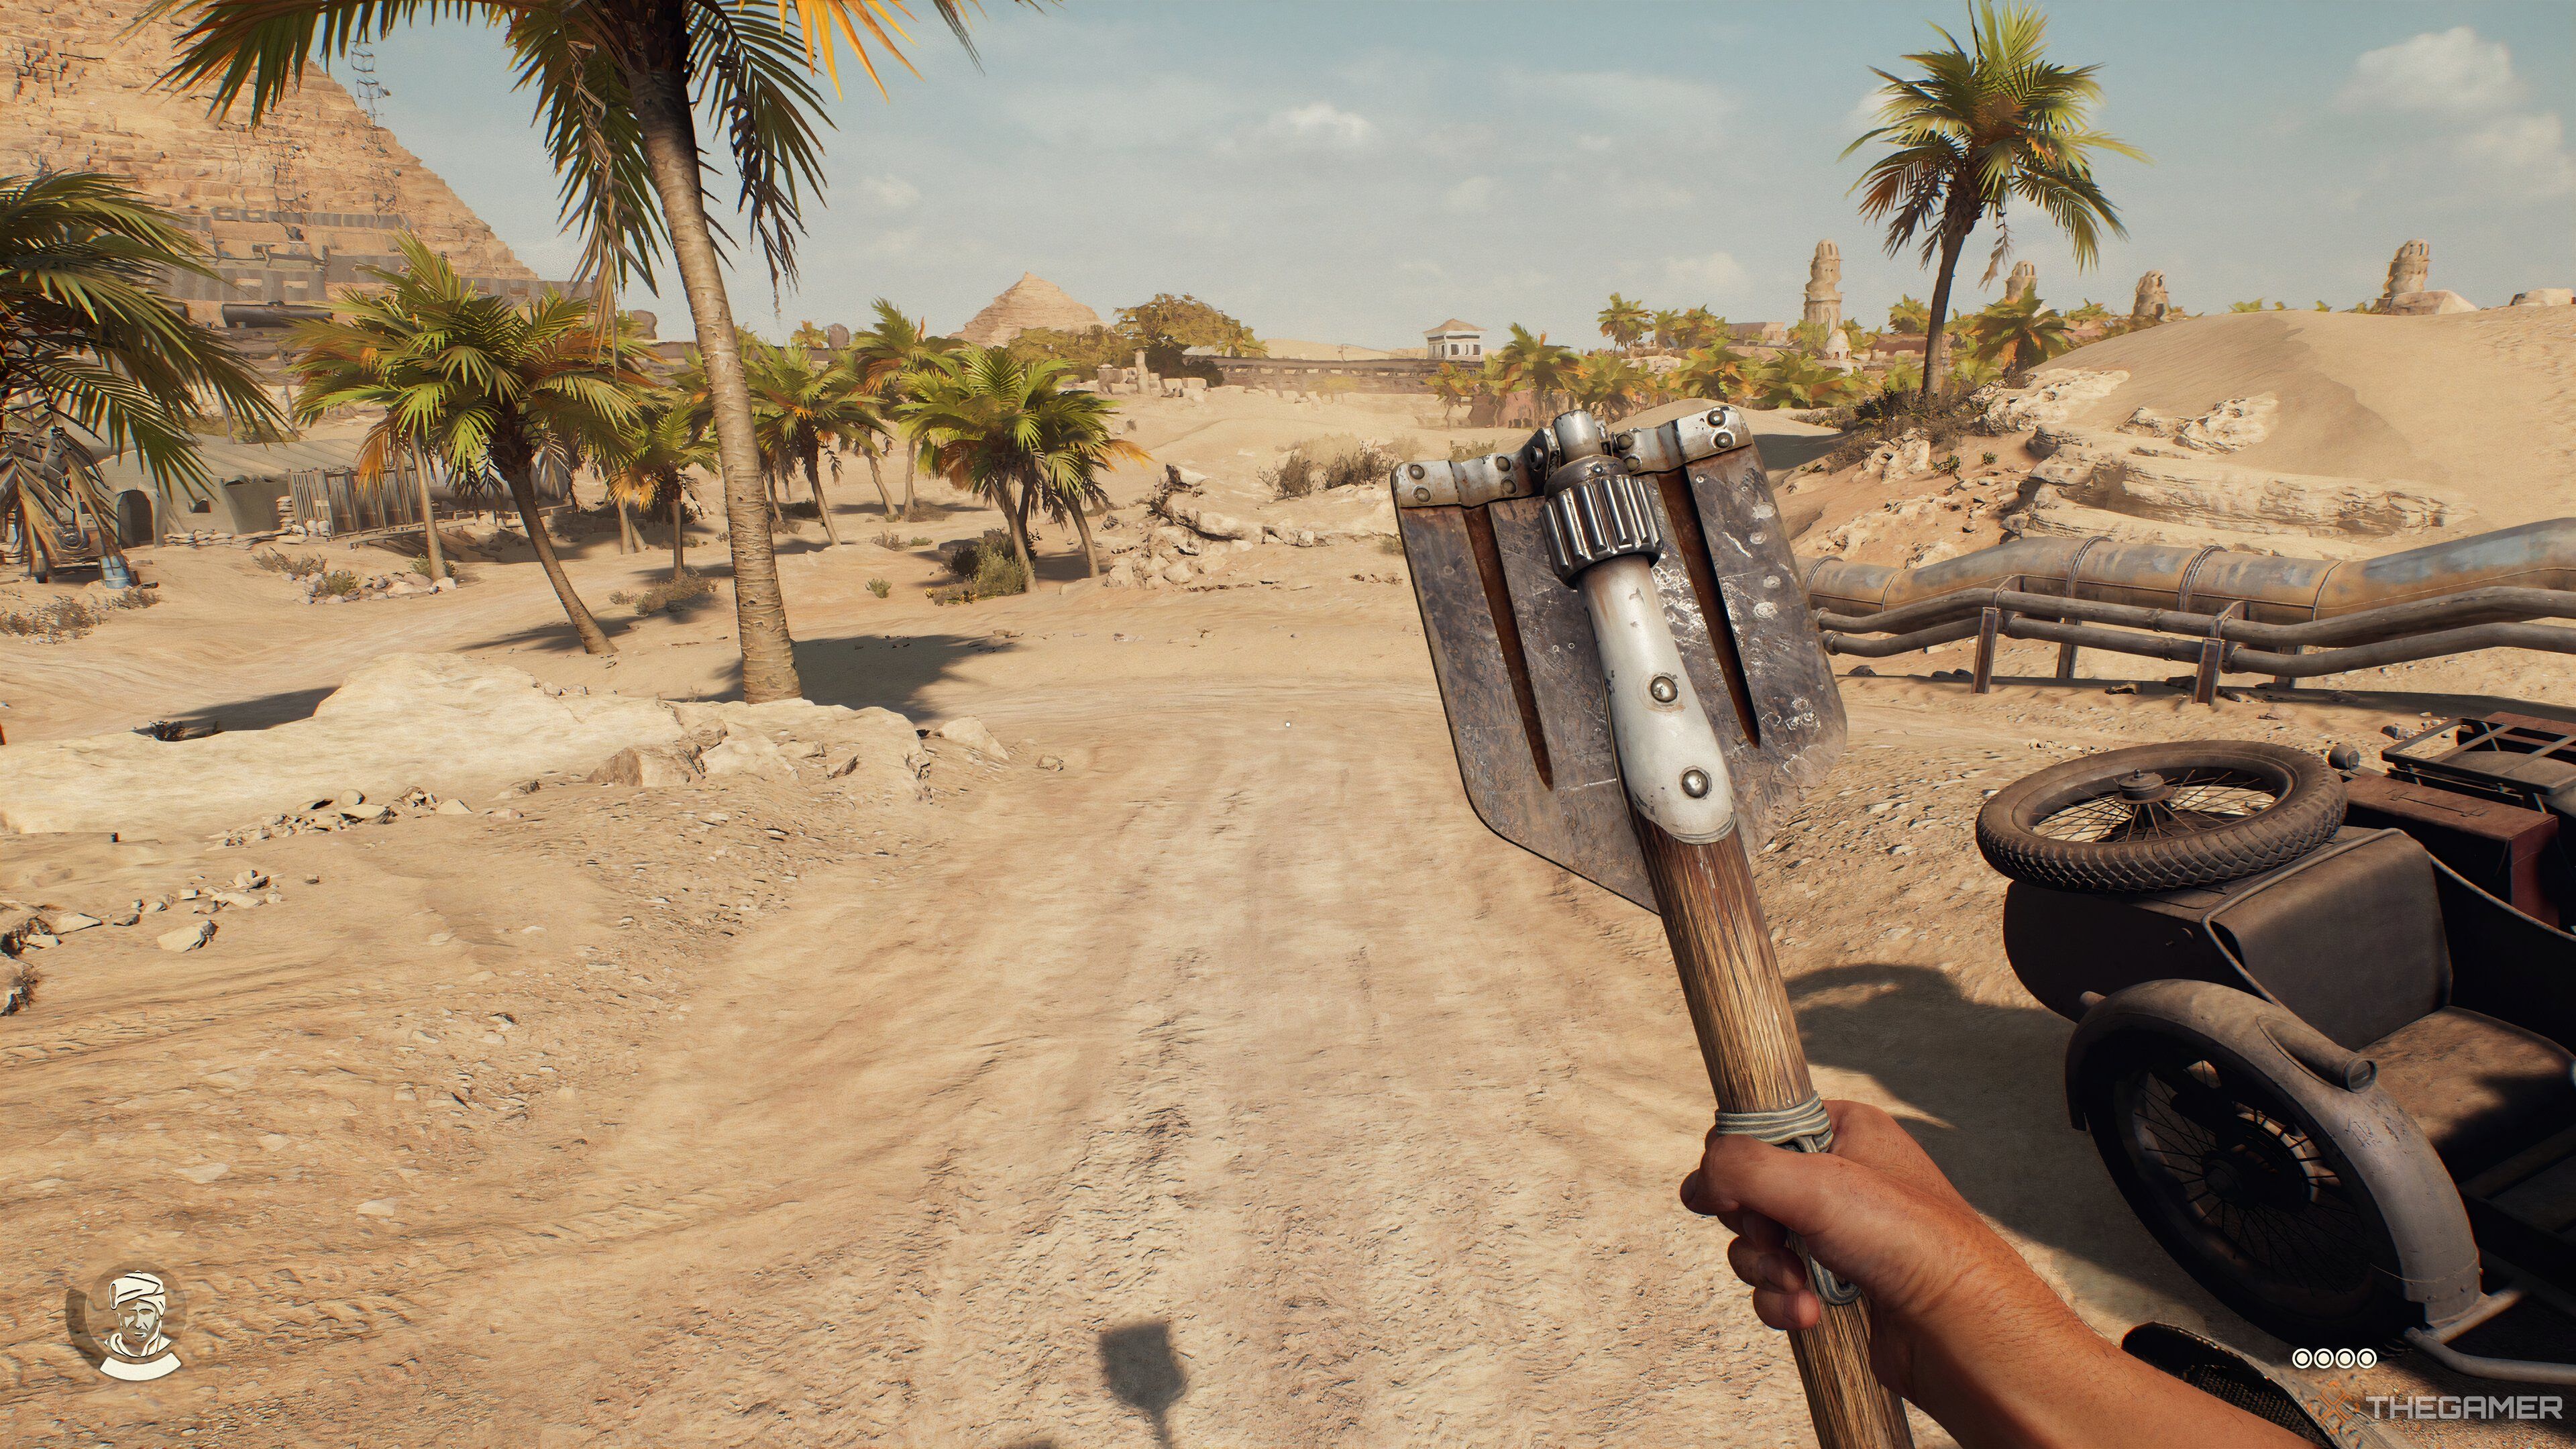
column 138, row 1351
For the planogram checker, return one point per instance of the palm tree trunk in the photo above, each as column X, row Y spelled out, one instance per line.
column 679, row 534
column 524, row 493
column 822, row 508
column 1090, row 554
column 1015, row 518
column 669, row 133
column 627, row 542
column 1936, row 338
column 876, row 475
column 429, row 523
column 911, row 457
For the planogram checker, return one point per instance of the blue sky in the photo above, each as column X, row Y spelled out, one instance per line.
column 1355, row 172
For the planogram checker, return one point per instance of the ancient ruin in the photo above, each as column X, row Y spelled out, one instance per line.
column 293, row 211
column 1032, row 301
column 2408, row 271
column 2152, row 304
column 1824, row 287
column 2023, row 281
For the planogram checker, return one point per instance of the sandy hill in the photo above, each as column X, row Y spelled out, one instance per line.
column 2481, row 405
column 83, row 96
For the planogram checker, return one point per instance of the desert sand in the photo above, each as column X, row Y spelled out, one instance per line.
column 1204, row 1073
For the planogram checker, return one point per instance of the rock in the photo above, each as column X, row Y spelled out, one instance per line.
column 455, row 724
column 1121, row 575
column 2239, row 422
column 249, row 880
column 2053, row 395
column 367, row 814
column 746, row 752
column 650, row 766
column 1050, row 762
column 1175, row 572
column 454, row 806
column 2544, row 297
column 72, row 921
column 380, row 1207
column 1862, row 671
column 2428, row 304
column 188, row 937
column 205, row 1173
column 970, row 732
column 1209, row 523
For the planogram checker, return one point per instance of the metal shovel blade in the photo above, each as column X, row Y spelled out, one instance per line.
column 1522, row 679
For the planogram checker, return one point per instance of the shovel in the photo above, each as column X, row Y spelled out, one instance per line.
column 1636, row 690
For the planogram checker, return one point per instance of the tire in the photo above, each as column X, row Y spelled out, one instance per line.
column 2246, row 1190
column 2219, row 810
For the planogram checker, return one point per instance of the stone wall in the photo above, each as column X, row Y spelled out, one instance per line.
column 1393, row 374
column 297, row 205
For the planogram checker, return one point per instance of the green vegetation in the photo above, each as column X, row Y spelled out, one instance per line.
column 988, row 567
column 880, row 587
column 1336, row 460
column 619, row 85
column 89, row 342
column 293, row 565
column 475, row 381
column 1624, row 322
column 678, row 595
column 1004, row 430
column 2017, row 336
column 1973, row 131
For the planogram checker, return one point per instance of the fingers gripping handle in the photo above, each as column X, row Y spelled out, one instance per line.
column 1806, row 1128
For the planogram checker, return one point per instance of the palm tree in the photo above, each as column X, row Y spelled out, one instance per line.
column 1623, row 321
column 476, row 382
column 1001, row 428
column 1455, row 385
column 647, row 465
column 907, row 345
column 1699, row 327
column 799, row 411
column 1607, row 385
column 1908, row 315
column 2018, row 336
column 1717, row 373
column 618, row 84
column 1667, row 323
column 88, row 340
column 1545, row 368
column 1796, row 380
column 1974, row 131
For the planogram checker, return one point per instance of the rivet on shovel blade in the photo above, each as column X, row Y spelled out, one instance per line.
column 1695, row 782
column 1663, row 689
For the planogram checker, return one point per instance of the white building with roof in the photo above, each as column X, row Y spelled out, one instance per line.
column 1455, row 341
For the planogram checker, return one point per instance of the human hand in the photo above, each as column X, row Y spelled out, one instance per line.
column 1959, row 1324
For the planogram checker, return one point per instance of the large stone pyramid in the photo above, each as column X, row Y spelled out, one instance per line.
column 1032, row 301
column 314, row 182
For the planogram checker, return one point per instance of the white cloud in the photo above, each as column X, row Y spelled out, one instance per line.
column 1711, row 272
column 1863, row 116
column 2530, row 148
column 2451, row 72
column 1322, row 123
column 891, row 192
column 1474, row 194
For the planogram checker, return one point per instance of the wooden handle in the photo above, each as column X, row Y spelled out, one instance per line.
column 1740, row 1008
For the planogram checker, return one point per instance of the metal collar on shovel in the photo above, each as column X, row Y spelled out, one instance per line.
column 1583, row 596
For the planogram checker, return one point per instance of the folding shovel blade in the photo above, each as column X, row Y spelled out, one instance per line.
column 1522, row 682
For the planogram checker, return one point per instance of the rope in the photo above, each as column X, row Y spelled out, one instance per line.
column 1804, row 1127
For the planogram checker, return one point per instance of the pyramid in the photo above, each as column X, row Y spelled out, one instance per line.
column 1032, row 301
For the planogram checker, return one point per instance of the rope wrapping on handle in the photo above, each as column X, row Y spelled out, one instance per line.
column 1805, row 1128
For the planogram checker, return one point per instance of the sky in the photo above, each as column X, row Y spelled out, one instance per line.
column 1357, row 172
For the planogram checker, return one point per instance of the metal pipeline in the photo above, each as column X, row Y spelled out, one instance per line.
column 2204, row 581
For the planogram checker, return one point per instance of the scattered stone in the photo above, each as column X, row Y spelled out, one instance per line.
column 188, row 937
column 206, row 1173
column 1050, row 762
column 453, row 806
column 249, row 880
column 65, row 924
column 650, row 766
column 1176, row 572
column 380, row 1207
column 746, row 752
column 969, row 731
column 1861, row 671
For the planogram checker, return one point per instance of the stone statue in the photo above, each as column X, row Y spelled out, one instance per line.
column 837, row 337
column 1838, row 354
column 1824, row 287
column 2152, row 304
column 2024, row 280
column 2408, row 271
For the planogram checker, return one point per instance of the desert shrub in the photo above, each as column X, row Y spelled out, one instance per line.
column 293, row 565
column 1894, row 411
column 880, row 587
column 1391, row 544
column 71, row 616
column 1335, row 461
column 341, row 582
column 674, row 596
column 985, row 568
column 420, row 566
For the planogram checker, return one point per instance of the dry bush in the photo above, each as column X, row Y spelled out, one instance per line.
column 880, row 587
column 71, row 616
column 1894, row 412
column 676, row 597
column 293, row 565
column 986, row 568
column 1336, row 460
column 341, row 582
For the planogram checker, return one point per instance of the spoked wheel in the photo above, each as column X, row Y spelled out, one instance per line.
column 2245, row 1191
column 2161, row 817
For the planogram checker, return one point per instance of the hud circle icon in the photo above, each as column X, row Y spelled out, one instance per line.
column 125, row 1321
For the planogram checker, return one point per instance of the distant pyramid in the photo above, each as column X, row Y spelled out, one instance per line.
column 1032, row 301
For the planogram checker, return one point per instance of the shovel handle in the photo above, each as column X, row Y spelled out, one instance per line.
column 1740, row 1009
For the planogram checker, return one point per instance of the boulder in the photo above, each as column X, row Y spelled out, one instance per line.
column 2545, row 297
column 2054, row 395
column 1121, row 574
column 188, row 937
column 1176, row 572
column 650, row 766
column 2428, row 304
column 969, row 731
column 2239, row 422
column 745, row 751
